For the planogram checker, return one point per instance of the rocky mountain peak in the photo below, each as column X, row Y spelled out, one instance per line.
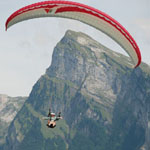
column 87, row 64
column 101, row 99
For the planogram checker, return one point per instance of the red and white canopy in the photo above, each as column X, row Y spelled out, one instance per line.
column 85, row 14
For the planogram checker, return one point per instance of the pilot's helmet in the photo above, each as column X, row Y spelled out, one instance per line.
column 52, row 114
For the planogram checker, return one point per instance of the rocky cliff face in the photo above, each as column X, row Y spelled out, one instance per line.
column 9, row 106
column 105, row 103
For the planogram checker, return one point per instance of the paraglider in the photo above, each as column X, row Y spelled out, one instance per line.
column 82, row 13
column 52, row 118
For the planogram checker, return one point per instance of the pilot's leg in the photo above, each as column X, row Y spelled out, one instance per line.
column 54, row 124
column 48, row 123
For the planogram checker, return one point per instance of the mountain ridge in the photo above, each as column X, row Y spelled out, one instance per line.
column 9, row 106
column 98, row 95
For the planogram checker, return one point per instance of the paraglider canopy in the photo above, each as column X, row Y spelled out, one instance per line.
column 85, row 14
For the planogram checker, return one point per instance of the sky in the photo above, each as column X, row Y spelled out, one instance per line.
column 26, row 48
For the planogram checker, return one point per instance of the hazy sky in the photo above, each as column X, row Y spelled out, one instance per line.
column 26, row 48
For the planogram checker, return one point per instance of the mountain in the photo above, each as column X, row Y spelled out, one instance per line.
column 104, row 103
column 9, row 106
